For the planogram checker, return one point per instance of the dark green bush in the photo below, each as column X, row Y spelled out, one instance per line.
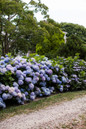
column 73, row 45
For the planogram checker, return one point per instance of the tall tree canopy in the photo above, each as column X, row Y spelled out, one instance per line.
column 55, row 37
column 74, row 29
column 18, row 25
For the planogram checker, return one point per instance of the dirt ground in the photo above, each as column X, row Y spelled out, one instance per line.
column 68, row 115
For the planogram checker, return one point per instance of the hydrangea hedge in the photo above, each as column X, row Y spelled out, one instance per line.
column 23, row 79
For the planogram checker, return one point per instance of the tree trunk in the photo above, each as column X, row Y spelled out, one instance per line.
column 1, row 30
column 6, row 40
column 6, row 43
column 1, row 41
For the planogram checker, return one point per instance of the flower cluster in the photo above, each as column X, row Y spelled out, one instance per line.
column 24, row 79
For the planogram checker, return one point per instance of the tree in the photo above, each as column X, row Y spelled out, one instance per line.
column 49, row 46
column 9, row 9
column 18, row 25
column 74, row 29
column 72, row 46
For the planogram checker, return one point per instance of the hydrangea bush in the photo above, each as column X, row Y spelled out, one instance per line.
column 23, row 79
column 76, row 71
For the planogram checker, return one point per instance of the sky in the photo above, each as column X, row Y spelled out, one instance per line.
column 70, row 11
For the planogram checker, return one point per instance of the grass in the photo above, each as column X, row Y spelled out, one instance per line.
column 39, row 104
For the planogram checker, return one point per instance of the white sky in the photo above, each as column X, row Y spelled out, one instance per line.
column 72, row 11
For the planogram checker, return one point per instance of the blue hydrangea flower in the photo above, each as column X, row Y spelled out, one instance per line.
column 61, row 88
column 37, row 73
column 38, row 91
column 24, row 72
column 32, row 93
column 9, row 96
column 26, row 93
column 28, row 71
column 35, row 67
column 15, row 84
column 7, row 59
column 32, row 96
column 21, row 78
column 54, row 80
column 24, row 97
column 46, row 91
column 43, row 84
column 9, row 67
column 41, row 95
column 14, row 94
column 2, row 62
column 31, row 86
column 49, row 71
column 57, row 69
column 4, row 96
column 20, row 82
column 35, row 78
column 42, row 71
column 19, row 73
column 48, row 78
column 43, row 78
column 28, row 79
column 15, row 68
column 2, row 105
column 17, row 90
column 2, row 57
column 64, row 80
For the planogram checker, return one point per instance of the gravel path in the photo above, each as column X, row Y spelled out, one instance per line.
column 48, row 118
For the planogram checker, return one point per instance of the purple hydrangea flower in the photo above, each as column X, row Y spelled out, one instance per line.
column 19, row 73
column 28, row 71
column 2, row 105
column 7, row 59
column 26, row 93
column 61, row 88
column 7, row 88
column 37, row 74
column 14, row 94
column 28, row 79
column 43, row 78
column 31, row 86
column 32, row 97
column 21, row 78
column 9, row 96
column 64, row 80
column 2, row 57
column 49, row 71
column 4, row 96
column 9, row 67
column 35, row 67
column 20, row 82
column 48, row 78
column 46, row 91
column 43, row 84
column 32, row 93
column 15, row 84
column 84, row 81
column 54, row 80
column 22, row 90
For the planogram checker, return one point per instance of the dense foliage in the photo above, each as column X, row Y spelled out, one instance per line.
column 18, row 26
column 23, row 79
column 74, row 29
column 52, row 42
column 73, row 45
column 20, row 32
column 75, row 41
